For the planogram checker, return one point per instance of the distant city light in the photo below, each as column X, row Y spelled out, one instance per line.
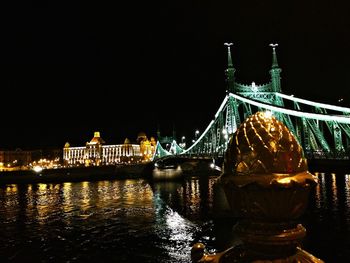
column 37, row 169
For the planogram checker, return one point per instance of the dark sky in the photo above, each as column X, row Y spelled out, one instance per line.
column 69, row 69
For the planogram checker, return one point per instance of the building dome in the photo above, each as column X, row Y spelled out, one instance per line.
column 141, row 136
column 66, row 145
column 263, row 145
column 153, row 141
column 97, row 139
column 126, row 141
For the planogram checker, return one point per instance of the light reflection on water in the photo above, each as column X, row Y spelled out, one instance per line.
column 347, row 199
column 327, row 218
column 122, row 221
column 133, row 220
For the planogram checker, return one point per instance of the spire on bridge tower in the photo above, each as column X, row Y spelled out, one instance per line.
column 274, row 56
column 158, row 132
column 275, row 71
column 174, row 132
column 230, row 71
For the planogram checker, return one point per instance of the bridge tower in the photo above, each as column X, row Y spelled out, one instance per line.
column 232, row 115
column 275, row 71
column 166, row 141
column 230, row 71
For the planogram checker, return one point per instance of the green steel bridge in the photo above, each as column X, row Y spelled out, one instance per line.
column 322, row 130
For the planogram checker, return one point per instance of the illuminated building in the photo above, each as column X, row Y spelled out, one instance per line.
column 96, row 153
column 147, row 147
column 25, row 159
column 16, row 158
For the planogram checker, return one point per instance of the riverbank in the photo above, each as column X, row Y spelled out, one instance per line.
column 76, row 174
column 132, row 171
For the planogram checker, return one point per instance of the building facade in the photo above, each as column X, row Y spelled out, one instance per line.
column 95, row 153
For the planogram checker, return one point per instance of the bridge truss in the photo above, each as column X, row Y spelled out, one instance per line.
column 322, row 130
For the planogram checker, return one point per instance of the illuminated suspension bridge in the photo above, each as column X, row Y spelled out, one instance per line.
column 322, row 130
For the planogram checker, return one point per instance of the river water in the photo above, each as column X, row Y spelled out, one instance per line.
column 135, row 221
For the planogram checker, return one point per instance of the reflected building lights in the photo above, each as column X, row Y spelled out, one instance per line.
column 47, row 201
column 195, row 196
column 107, row 191
column 67, row 202
column 334, row 191
column 129, row 194
column 318, row 192
column 31, row 201
column 322, row 185
column 136, row 193
column 11, row 199
column 210, row 200
column 347, row 192
column 85, row 196
column 347, row 198
column 11, row 188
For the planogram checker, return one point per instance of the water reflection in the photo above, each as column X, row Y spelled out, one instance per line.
column 133, row 220
column 318, row 191
column 10, row 194
column 327, row 218
column 347, row 199
column 334, row 192
column 174, row 230
column 80, row 221
column 67, row 200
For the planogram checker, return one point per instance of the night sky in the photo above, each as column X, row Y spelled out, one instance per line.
column 69, row 69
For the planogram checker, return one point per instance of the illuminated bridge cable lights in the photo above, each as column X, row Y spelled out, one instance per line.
column 315, row 104
column 273, row 108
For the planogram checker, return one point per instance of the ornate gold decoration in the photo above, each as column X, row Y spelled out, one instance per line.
column 267, row 184
column 262, row 145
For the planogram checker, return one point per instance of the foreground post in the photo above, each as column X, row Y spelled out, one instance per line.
column 267, row 184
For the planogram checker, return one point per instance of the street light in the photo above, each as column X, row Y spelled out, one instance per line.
column 183, row 142
column 196, row 134
column 224, row 132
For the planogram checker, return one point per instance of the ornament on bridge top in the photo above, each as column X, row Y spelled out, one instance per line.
column 266, row 183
